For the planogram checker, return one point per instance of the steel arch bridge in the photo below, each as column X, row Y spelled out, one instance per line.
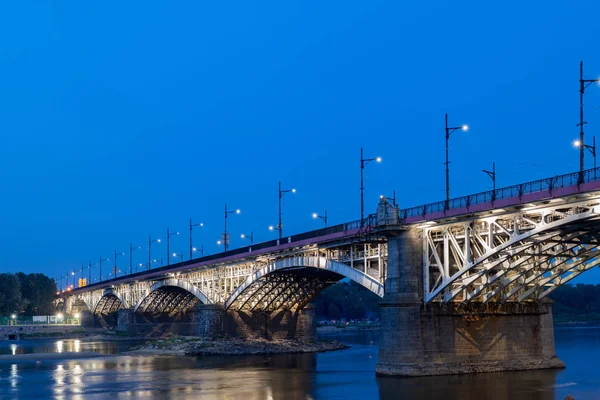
column 515, row 244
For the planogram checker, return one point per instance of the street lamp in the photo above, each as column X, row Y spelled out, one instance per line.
column 225, row 238
column 281, row 194
column 363, row 162
column 115, row 269
column 131, row 249
column 150, row 241
column 492, row 174
column 322, row 217
column 180, row 255
column 391, row 200
column 169, row 234
column 583, row 84
column 592, row 149
column 201, row 250
column 251, row 237
column 449, row 131
column 100, row 264
column 191, row 228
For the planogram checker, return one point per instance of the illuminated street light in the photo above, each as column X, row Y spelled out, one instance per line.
column 100, row 265
column 251, row 237
column 225, row 239
column 281, row 194
column 191, row 242
column 150, row 241
column 583, row 84
column 592, row 149
column 449, row 131
column 131, row 249
column 13, row 316
column 169, row 234
column 363, row 162
column 115, row 268
column 322, row 217
column 201, row 250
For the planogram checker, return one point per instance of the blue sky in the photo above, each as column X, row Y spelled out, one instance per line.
column 120, row 119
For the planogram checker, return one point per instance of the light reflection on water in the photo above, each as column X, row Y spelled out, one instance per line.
column 340, row 374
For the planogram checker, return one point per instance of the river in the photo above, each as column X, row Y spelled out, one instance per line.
column 344, row 374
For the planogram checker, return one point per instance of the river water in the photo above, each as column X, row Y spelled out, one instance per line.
column 345, row 374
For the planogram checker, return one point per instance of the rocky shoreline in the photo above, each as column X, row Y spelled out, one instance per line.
column 194, row 346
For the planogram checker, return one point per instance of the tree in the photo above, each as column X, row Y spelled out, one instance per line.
column 10, row 294
column 38, row 293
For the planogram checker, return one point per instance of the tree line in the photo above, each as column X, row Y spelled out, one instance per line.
column 26, row 294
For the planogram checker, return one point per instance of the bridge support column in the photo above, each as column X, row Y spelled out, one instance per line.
column 441, row 339
column 125, row 319
column 87, row 319
column 207, row 320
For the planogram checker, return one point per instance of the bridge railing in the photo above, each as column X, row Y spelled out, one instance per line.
column 540, row 185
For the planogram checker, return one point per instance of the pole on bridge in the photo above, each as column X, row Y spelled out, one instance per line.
column 225, row 237
column 281, row 194
column 492, row 174
column 449, row 131
column 583, row 84
column 90, row 272
column 364, row 162
column 191, row 241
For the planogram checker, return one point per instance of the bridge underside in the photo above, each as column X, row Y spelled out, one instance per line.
column 169, row 300
column 285, row 289
column 108, row 304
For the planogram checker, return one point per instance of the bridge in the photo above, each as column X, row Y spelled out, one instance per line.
column 464, row 282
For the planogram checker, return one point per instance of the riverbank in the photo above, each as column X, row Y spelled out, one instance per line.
column 194, row 346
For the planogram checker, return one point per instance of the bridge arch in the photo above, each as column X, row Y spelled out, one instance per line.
column 293, row 282
column 170, row 296
column 111, row 301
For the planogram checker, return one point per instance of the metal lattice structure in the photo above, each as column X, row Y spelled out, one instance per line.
column 510, row 255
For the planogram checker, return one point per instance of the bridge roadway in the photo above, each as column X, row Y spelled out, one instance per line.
column 463, row 283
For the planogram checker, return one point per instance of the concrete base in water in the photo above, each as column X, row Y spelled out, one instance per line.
column 450, row 339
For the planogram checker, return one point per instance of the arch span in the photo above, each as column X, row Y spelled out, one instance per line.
column 111, row 301
column 170, row 296
column 293, row 282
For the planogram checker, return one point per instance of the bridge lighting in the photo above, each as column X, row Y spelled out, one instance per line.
column 281, row 194
column 150, row 241
column 115, row 268
column 13, row 316
column 251, row 237
column 76, row 315
column 363, row 162
column 583, row 84
column 591, row 149
column 225, row 238
column 131, row 249
column 449, row 131
column 169, row 234
column 192, row 248
column 322, row 217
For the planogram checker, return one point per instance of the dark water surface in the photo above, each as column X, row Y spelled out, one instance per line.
column 345, row 374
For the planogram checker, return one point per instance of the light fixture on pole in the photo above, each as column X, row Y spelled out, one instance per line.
column 150, row 241
column 115, row 269
column 169, row 234
column 251, row 237
column 492, row 175
column 391, row 200
column 583, row 84
column 449, row 131
column 200, row 249
column 281, row 194
column 191, row 242
column 592, row 149
column 225, row 239
column 363, row 162
column 322, row 217
column 131, row 249
column 100, row 265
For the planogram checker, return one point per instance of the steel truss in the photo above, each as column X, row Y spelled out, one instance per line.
column 510, row 256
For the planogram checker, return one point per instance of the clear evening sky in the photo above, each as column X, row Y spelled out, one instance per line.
column 120, row 119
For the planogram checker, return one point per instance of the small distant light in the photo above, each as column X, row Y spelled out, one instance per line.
column 218, row 242
column 242, row 236
column 378, row 159
column 72, row 273
column 577, row 143
column 59, row 316
column 194, row 249
column 57, row 293
column 238, row 211
column 174, row 254
column 293, row 190
column 380, row 196
column 314, row 215
column 158, row 240
column 201, row 224
column 271, row 227
column 465, row 128
column 13, row 316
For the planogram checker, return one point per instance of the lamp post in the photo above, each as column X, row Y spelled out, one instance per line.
column 322, row 217
column 100, row 265
column 251, row 237
column 592, row 149
column 131, row 249
column 492, row 175
column 201, row 249
column 115, row 269
column 281, row 194
column 150, row 241
column 225, row 239
column 169, row 234
column 363, row 162
column 191, row 242
column 583, row 84
column 449, row 131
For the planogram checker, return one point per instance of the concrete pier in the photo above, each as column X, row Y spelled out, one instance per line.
column 419, row 340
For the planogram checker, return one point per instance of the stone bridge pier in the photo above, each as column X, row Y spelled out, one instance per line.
column 419, row 339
